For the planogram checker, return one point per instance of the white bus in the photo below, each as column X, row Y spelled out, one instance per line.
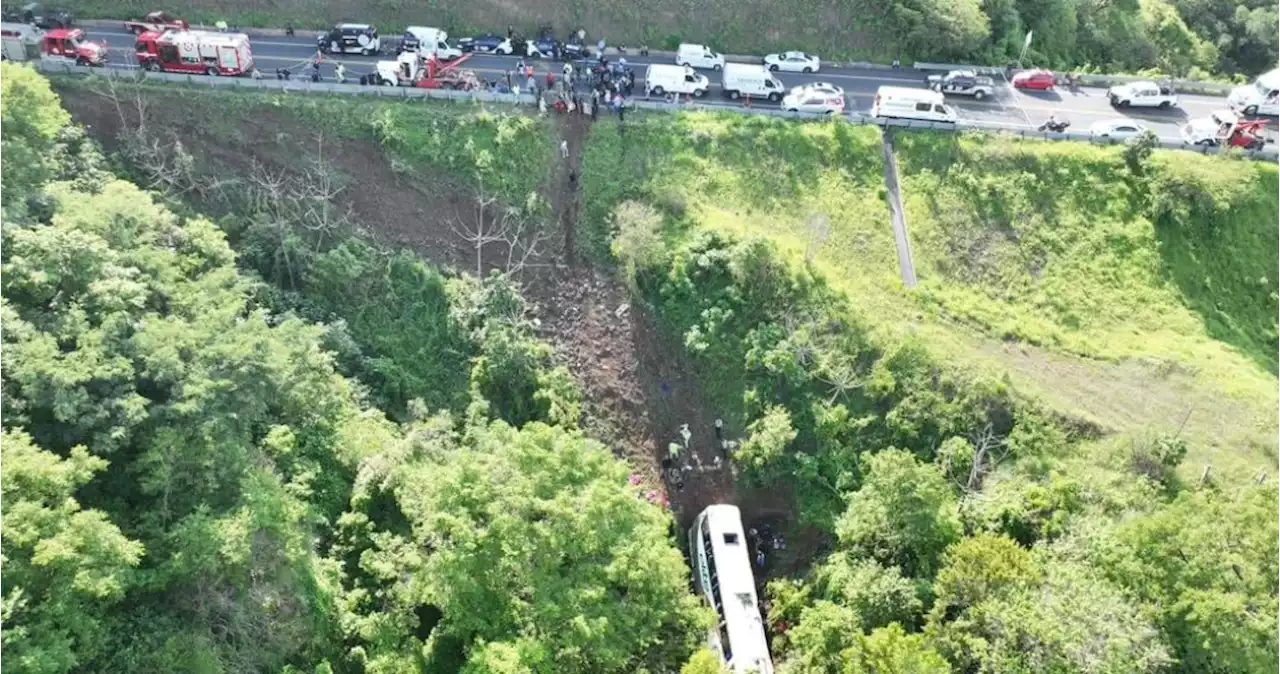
column 722, row 575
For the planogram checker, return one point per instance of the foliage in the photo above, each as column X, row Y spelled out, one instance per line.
column 63, row 565
column 527, row 542
column 904, row 514
column 879, row 595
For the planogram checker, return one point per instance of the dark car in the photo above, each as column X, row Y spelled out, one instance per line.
column 350, row 38
column 40, row 17
column 488, row 43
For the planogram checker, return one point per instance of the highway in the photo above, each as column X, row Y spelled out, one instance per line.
column 1009, row 107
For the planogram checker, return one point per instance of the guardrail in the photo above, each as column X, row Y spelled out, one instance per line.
column 304, row 86
column 1181, row 86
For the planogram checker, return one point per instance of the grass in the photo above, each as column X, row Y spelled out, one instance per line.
column 1137, row 304
column 732, row 26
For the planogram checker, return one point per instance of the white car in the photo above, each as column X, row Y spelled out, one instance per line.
column 819, row 87
column 793, row 62
column 813, row 101
column 1116, row 129
column 1142, row 95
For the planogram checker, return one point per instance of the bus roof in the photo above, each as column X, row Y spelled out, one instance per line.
column 748, row 647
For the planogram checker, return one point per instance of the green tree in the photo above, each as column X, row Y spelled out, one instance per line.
column 63, row 566
column 879, row 595
column 536, row 534
column 767, row 440
column 979, row 569
column 704, row 661
column 905, row 514
column 890, row 650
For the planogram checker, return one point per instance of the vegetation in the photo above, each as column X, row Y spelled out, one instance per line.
column 189, row 485
column 1180, row 37
column 976, row 530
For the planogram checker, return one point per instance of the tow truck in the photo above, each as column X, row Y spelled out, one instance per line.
column 962, row 83
column 156, row 22
column 1223, row 128
column 62, row 45
column 195, row 51
column 411, row 70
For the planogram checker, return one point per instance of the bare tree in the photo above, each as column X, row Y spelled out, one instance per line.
column 837, row 371
column 988, row 451
column 819, row 229
column 492, row 223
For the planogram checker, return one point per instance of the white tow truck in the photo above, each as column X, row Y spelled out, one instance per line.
column 1142, row 95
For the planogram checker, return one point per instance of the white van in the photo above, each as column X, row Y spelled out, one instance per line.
column 428, row 41
column 925, row 105
column 744, row 79
column 699, row 56
column 661, row 80
column 1260, row 98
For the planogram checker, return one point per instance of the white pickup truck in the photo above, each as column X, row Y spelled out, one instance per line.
column 1142, row 95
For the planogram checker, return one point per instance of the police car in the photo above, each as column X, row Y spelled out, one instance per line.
column 350, row 38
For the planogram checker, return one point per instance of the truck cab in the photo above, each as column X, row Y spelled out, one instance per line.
column 1143, row 95
column 427, row 41
column 71, row 46
column 1262, row 97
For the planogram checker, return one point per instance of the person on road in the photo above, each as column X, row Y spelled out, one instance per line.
column 564, row 149
column 532, row 85
column 257, row 74
column 340, row 72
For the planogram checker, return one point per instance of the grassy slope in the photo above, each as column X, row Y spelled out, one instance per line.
column 743, row 26
column 1035, row 259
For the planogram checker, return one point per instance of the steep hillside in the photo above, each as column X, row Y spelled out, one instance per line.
column 1127, row 298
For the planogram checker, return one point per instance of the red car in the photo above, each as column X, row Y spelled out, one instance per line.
column 1042, row 80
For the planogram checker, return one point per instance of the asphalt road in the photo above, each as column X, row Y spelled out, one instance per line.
column 1009, row 107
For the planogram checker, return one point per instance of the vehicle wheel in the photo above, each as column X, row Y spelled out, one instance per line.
column 1251, row 110
column 807, row 70
column 775, row 97
column 1124, row 104
column 658, row 91
column 699, row 93
column 388, row 83
column 81, row 62
column 793, row 110
column 979, row 95
column 1164, row 105
column 151, row 66
column 211, row 71
column 1204, row 143
column 717, row 67
column 683, row 63
column 370, row 51
column 733, row 95
column 773, row 67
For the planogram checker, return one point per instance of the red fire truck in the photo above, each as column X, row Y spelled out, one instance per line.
column 25, row 42
column 195, row 51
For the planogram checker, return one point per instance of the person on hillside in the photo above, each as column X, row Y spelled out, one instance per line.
column 564, row 149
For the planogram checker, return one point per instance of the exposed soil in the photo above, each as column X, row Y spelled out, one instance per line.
column 639, row 388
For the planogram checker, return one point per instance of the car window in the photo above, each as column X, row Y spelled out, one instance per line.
column 922, row 107
column 940, row 109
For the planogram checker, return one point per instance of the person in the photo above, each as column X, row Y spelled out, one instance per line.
column 622, row 107
column 600, row 48
column 511, row 31
column 573, row 179
column 673, row 450
column 257, row 74
column 532, row 85
column 220, row 25
column 551, row 80
column 542, row 106
column 516, row 90
column 564, row 151
column 341, row 73
column 719, row 429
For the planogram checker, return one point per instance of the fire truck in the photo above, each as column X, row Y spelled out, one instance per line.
column 63, row 45
column 412, row 70
column 195, row 51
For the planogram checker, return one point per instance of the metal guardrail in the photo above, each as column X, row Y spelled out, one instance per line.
column 305, row 86
column 1181, row 86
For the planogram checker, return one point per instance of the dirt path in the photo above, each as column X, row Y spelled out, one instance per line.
column 640, row 390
